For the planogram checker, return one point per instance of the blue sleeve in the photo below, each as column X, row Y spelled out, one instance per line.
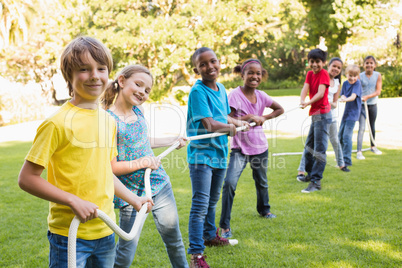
column 199, row 105
column 357, row 88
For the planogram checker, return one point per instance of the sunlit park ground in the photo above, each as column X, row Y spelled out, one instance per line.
column 353, row 222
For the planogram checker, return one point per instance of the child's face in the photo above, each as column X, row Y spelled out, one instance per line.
column 136, row 89
column 352, row 78
column 207, row 65
column 335, row 68
column 316, row 65
column 89, row 80
column 369, row 65
column 252, row 76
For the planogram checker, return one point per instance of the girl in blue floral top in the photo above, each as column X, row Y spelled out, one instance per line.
column 132, row 87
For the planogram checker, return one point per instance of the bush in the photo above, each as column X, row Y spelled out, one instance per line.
column 391, row 81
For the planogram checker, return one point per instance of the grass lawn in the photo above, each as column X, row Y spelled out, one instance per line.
column 354, row 221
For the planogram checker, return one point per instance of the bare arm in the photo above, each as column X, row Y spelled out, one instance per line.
column 30, row 181
column 277, row 111
column 377, row 91
column 124, row 193
column 348, row 99
column 212, row 125
column 125, row 167
column 318, row 96
column 303, row 95
column 168, row 141
column 334, row 103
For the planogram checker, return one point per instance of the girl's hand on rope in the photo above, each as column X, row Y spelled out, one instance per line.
column 137, row 204
column 241, row 123
column 84, row 210
column 259, row 120
column 182, row 141
column 151, row 162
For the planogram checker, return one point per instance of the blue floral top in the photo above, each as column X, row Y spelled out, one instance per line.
column 133, row 143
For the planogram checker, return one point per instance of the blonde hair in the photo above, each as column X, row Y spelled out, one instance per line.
column 71, row 57
column 352, row 69
column 113, row 88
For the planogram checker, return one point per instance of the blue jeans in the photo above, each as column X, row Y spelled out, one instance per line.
column 372, row 110
column 316, row 146
column 333, row 138
column 237, row 163
column 206, row 185
column 345, row 138
column 90, row 253
column 167, row 223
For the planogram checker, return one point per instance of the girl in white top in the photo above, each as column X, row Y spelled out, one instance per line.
column 334, row 70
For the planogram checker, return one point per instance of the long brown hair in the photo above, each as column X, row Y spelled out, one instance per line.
column 113, row 88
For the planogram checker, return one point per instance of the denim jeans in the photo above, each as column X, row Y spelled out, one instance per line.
column 372, row 110
column 316, row 146
column 345, row 138
column 333, row 138
column 237, row 163
column 167, row 223
column 206, row 185
column 98, row 253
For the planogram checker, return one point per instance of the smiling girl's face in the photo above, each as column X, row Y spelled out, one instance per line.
column 136, row 89
column 252, row 76
column 335, row 68
column 369, row 65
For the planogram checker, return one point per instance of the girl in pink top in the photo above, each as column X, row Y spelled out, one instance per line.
column 247, row 103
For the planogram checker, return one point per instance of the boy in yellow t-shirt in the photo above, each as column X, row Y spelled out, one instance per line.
column 77, row 145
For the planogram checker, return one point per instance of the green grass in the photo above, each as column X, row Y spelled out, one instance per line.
column 355, row 221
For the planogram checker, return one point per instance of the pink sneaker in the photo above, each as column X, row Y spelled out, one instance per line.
column 198, row 261
column 217, row 241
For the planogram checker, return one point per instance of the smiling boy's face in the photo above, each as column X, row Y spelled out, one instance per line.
column 207, row 65
column 316, row 65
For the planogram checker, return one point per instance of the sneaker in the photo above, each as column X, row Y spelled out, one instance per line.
column 375, row 150
column 345, row 169
column 270, row 216
column 312, row 187
column 227, row 234
column 303, row 178
column 217, row 241
column 198, row 261
column 360, row 156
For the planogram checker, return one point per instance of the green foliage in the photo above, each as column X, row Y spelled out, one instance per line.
column 336, row 20
column 162, row 35
column 391, row 82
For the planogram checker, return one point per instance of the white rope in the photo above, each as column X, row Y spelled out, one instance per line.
column 141, row 215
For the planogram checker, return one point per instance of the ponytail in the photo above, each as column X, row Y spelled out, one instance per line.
column 110, row 93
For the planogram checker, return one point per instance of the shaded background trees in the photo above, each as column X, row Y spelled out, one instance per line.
column 162, row 35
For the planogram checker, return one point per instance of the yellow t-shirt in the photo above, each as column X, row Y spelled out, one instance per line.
column 76, row 146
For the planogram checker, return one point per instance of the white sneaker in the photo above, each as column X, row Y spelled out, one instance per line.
column 360, row 156
column 375, row 150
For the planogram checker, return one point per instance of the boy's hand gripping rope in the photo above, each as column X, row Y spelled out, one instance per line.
column 141, row 215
